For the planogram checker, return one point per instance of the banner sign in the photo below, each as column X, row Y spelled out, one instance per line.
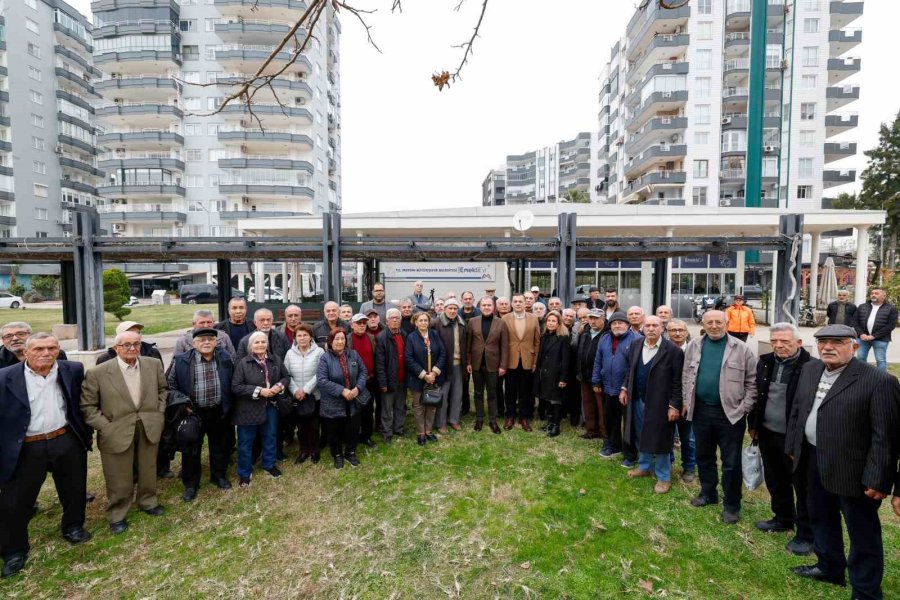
column 439, row 271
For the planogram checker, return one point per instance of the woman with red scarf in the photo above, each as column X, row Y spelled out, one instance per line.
column 341, row 378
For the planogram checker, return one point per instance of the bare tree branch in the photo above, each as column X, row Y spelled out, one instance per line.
column 467, row 48
column 358, row 13
column 397, row 6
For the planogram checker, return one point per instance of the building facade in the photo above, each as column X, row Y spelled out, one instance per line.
column 674, row 105
column 547, row 175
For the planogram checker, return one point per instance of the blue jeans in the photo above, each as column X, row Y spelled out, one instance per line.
column 880, row 347
column 685, row 432
column 268, row 430
column 660, row 463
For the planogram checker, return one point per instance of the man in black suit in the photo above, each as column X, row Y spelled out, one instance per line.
column 874, row 321
column 841, row 311
column 843, row 432
column 41, row 431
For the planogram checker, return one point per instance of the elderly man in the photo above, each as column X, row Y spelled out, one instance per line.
column 504, row 306
column 635, row 316
column 264, row 321
column 653, row 409
column 390, row 371
column 841, row 311
column 41, row 431
column 147, row 349
column 679, row 335
column 331, row 320
column 364, row 343
column 200, row 384
column 438, row 307
column 452, row 332
column 124, row 400
column 554, row 303
column 606, row 378
column 719, row 391
column 594, row 300
column 293, row 316
column 585, row 353
column 487, row 348
column 203, row 319
column 13, row 335
column 377, row 303
column 406, row 316
column 468, row 310
column 373, row 322
column 530, row 299
column 874, row 321
column 523, row 332
column 236, row 325
column 664, row 312
column 491, row 290
column 579, row 301
column 419, row 299
column 345, row 312
column 777, row 375
column 843, row 434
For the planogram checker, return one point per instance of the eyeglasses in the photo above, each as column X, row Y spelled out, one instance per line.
column 21, row 335
column 677, row 330
column 129, row 346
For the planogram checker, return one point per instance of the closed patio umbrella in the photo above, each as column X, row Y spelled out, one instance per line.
column 828, row 287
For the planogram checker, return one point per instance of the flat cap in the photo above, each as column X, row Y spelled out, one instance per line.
column 596, row 312
column 618, row 316
column 580, row 298
column 451, row 302
column 835, row 331
column 206, row 331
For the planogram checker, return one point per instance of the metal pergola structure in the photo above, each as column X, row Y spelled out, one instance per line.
column 81, row 258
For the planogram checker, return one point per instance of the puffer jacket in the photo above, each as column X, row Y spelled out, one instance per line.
column 610, row 368
column 302, row 368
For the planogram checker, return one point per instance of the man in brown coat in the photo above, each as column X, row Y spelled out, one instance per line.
column 488, row 354
column 524, row 333
column 124, row 400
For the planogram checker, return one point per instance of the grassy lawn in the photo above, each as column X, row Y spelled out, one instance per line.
column 473, row 516
column 156, row 318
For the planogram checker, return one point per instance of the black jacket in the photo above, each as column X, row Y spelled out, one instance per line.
column 147, row 349
column 585, row 353
column 552, row 367
column 764, row 369
column 857, row 428
column 321, row 330
column 387, row 361
column 8, row 359
column 248, row 375
column 278, row 345
column 183, row 381
column 832, row 310
column 885, row 320
column 15, row 411
column 663, row 390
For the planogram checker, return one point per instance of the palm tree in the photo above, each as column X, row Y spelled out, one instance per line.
column 576, row 197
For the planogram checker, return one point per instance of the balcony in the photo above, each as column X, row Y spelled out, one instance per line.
column 114, row 161
column 80, row 120
column 272, row 115
column 140, row 87
column 234, row 215
column 843, row 40
column 79, row 60
column 653, row 20
column 74, row 82
column 261, row 161
column 137, row 27
column 254, row 31
column 662, row 47
column 78, row 42
column 247, row 58
column 78, row 186
column 161, row 212
column 840, row 96
column 734, row 96
column 652, row 157
column 141, row 188
column 840, row 69
column 664, row 202
column 133, row 62
column 737, row 13
column 663, row 68
column 838, row 150
column 7, row 195
column 84, row 146
column 662, row 178
column 658, row 102
column 285, row 88
column 78, row 101
column 276, row 10
column 149, row 139
column 833, row 177
column 78, row 164
column 837, row 124
column 844, row 13
column 739, row 120
column 274, row 188
column 140, row 114
column 265, row 140
column 732, row 175
column 104, row 5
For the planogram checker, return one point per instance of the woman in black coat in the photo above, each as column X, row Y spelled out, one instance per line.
column 259, row 378
column 553, row 369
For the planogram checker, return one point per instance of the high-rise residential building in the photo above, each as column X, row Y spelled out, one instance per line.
column 175, row 166
column 674, row 105
column 546, row 175
column 46, row 118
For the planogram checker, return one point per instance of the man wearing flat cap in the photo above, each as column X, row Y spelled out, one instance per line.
column 844, row 433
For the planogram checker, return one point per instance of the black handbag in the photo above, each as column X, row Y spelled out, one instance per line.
column 305, row 407
column 362, row 400
column 284, row 403
column 431, row 393
column 187, row 432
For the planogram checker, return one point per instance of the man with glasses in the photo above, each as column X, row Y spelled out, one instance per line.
column 147, row 349
column 377, row 303
column 843, row 433
column 14, row 335
column 124, row 400
column 684, row 432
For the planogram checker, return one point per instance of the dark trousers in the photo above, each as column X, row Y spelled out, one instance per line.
column 466, row 406
column 519, row 393
column 741, row 336
column 65, row 459
column 367, row 414
column 713, row 431
column 230, row 441
column 782, row 483
column 613, row 415
column 343, row 434
column 866, row 560
column 572, row 402
column 308, row 434
column 286, row 425
column 213, row 425
column 593, row 409
column 501, row 394
column 485, row 382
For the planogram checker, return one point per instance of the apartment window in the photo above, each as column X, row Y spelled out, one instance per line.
column 40, row 190
column 38, row 143
column 701, row 138
column 805, row 167
column 319, row 141
column 701, row 87
column 213, row 76
column 193, row 181
column 704, row 7
column 209, row 51
column 320, row 167
column 34, row 50
column 219, row 205
column 810, row 56
column 704, row 60
column 32, row 4
column 36, row 97
column 213, row 103
column 191, row 76
column 213, row 181
column 188, row 25
column 808, row 82
column 811, row 5
column 190, row 52
column 810, row 26
column 807, row 111
column 193, row 154
column 804, row 192
column 807, row 137
column 701, row 169
column 39, row 167
column 193, row 103
column 212, row 129
column 318, row 117
column 40, row 234
column 40, row 213
column 31, row 25
column 37, row 120
column 193, row 129
column 704, row 31
column 701, row 116
column 699, row 196
column 34, row 74
column 216, row 153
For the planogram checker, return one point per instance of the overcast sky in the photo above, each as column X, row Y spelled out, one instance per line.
column 532, row 81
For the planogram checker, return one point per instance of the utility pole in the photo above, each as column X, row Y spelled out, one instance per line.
column 756, row 103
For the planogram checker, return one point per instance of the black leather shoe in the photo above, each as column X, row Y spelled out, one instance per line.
column 730, row 518
column 422, row 440
column 315, row 458
column 773, row 526
column 244, row 482
column 302, row 458
column 351, row 458
column 369, row 442
column 799, row 547
column 156, row 511
column 431, row 437
column 814, row 572
column 77, row 536
column 13, row 565
column 699, row 501
column 119, row 527
column 167, row 474
column 222, row 484
column 189, row 494
column 274, row 472
column 494, row 427
column 338, row 462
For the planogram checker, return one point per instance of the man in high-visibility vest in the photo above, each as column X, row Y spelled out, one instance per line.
column 741, row 323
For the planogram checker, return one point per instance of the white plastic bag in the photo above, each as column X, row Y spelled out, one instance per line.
column 752, row 467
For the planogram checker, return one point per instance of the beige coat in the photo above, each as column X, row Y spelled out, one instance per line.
column 525, row 347
column 107, row 406
column 737, row 381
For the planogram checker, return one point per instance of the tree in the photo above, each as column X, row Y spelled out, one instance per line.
column 116, row 293
column 576, row 197
column 46, row 285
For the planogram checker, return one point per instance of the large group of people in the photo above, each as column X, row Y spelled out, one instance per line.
column 828, row 429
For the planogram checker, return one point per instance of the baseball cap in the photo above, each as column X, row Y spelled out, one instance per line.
column 126, row 325
column 535, row 288
column 359, row 317
column 596, row 312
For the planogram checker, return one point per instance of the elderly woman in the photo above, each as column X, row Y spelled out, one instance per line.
column 341, row 377
column 302, row 362
column 553, row 369
column 425, row 357
column 259, row 378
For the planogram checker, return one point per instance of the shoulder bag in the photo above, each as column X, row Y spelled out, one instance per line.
column 431, row 393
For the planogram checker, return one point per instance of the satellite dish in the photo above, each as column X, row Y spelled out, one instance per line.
column 523, row 220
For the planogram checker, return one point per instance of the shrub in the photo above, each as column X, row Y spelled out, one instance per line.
column 116, row 292
column 46, row 285
column 33, row 296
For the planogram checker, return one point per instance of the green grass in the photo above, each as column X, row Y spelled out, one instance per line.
column 156, row 319
column 473, row 516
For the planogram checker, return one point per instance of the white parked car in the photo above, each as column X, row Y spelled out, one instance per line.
column 7, row 300
column 272, row 295
column 132, row 301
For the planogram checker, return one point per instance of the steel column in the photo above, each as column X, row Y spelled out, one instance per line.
column 223, row 275
column 565, row 271
column 789, row 262
column 67, row 290
column 756, row 103
column 660, row 267
column 88, row 282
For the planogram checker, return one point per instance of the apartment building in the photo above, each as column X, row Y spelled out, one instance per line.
column 178, row 166
column 546, row 175
column 674, row 105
